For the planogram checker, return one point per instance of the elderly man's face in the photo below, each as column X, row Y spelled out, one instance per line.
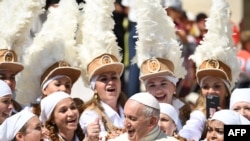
column 136, row 123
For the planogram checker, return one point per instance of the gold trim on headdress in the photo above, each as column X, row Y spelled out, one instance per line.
column 158, row 51
column 106, row 59
column 156, row 66
column 217, row 55
column 153, row 65
column 17, row 18
column 16, row 21
column 99, row 51
column 60, row 64
column 8, row 61
column 104, row 63
column 53, row 44
column 212, row 67
column 7, row 56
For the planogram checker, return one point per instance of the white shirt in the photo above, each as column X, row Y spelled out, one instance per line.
column 89, row 116
column 115, row 118
column 194, row 127
column 177, row 104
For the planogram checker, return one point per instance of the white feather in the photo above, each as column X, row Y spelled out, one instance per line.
column 80, row 31
column 218, row 43
column 98, row 36
column 55, row 42
column 16, row 19
column 156, row 36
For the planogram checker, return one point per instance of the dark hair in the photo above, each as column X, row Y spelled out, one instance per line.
column 36, row 108
column 53, row 130
column 79, row 104
column 17, row 106
column 200, row 16
column 50, row 2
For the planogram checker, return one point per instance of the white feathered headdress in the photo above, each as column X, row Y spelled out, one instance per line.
column 158, row 51
column 16, row 20
column 216, row 55
column 51, row 53
column 99, row 51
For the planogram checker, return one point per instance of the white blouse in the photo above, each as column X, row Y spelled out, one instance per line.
column 194, row 127
column 89, row 116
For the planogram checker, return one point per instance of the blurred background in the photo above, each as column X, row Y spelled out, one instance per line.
column 196, row 11
column 237, row 7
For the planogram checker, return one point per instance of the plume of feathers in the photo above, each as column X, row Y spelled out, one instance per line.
column 98, row 36
column 218, row 43
column 80, row 31
column 156, row 36
column 17, row 17
column 55, row 42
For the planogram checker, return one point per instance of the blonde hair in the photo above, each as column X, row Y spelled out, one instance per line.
column 201, row 104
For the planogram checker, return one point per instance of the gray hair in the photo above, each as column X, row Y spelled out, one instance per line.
column 149, row 111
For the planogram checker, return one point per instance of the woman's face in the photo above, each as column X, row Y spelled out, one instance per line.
column 243, row 108
column 33, row 131
column 66, row 115
column 9, row 78
column 215, row 86
column 215, row 131
column 167, row 125
column 108, row 87
column 161, row 88
column 6, row 107
column 61, row 84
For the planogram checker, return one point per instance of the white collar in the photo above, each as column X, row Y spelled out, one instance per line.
column 109, row 111
column 153, row 134
column 177, row 103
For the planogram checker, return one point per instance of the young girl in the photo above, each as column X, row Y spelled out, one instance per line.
column 168, row 119
column 100, row 61
column 215, row 127
column 6, row 105
column 60, row 116
column 216, row 72
column 23, row 126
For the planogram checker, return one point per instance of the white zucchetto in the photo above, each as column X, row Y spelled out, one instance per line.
column 146, row 99
column 239, row 95
column 49, row 103
column 13, row 124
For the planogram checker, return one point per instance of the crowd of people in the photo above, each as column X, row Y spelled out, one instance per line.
column 177, row 63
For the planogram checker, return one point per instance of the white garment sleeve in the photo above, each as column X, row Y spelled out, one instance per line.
column 179, row 125
column 89, row 116
column 86, row 118
column 194, row 127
